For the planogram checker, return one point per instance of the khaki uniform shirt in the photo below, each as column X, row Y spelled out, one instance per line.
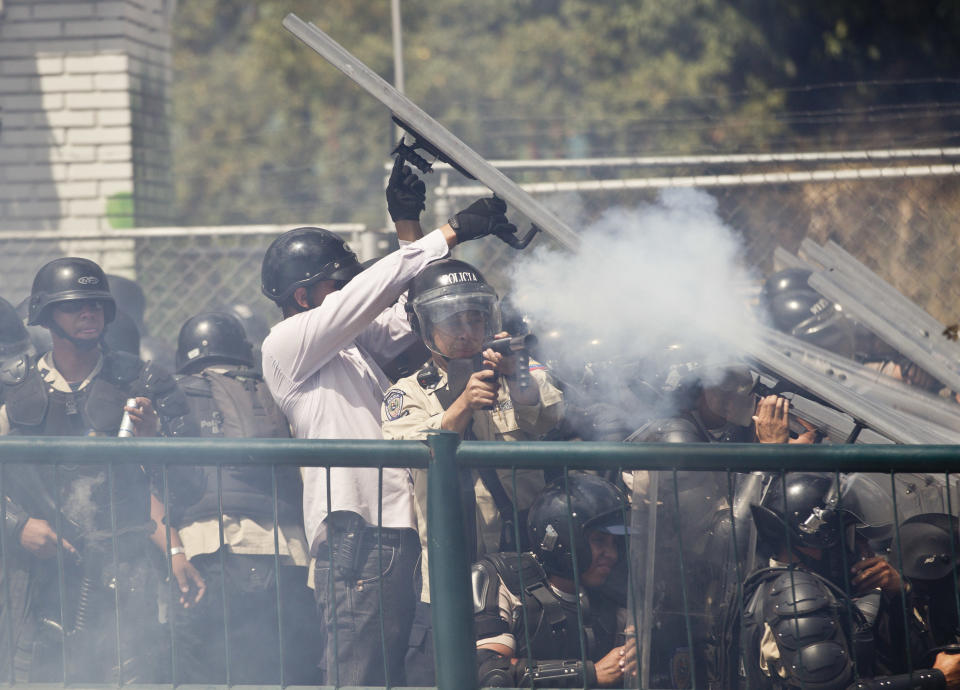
column 411, row 411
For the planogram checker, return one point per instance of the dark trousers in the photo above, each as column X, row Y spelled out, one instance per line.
column 250, row 585
column 420, row 662
column 357, row 651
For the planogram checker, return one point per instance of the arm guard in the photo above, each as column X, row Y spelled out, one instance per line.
column 924, row 679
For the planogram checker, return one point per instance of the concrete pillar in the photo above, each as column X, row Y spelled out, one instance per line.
column 84, row 97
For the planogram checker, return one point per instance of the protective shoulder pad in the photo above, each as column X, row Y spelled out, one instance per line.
column 194, row 386
column 121, row 368
column 27, row 401
column 805, row 619
column 518, row 571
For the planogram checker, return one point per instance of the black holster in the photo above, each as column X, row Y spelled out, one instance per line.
column 345, row 534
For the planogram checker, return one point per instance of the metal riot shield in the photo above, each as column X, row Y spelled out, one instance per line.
column 688, row 552
column 413, row 118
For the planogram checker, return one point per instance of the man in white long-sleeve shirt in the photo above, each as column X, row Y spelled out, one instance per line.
column 322, row 364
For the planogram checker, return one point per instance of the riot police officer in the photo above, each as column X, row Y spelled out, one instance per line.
column 930, row 546
column 228, row 397
column 79, row 389
column 539, row 589
column 800, row 627
column 16, row 350
column 482, row 396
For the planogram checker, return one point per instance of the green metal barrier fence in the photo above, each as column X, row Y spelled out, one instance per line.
column 445, row 456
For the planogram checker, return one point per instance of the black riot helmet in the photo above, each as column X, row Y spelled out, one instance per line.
column 445, row 289
column 812, row 509
column 302, row 256
column 212, row 337
column 15, row 346
column 14, row 338
column 130, row 298
column 123, row 334
column 67, row 280
column 929, row 544
column 798, row 310
column 594, row 504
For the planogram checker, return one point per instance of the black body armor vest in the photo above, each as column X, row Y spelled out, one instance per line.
column 553, row 625
column 237, row 404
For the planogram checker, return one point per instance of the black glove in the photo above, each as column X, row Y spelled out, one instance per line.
column 406, row 193
column 482, row 217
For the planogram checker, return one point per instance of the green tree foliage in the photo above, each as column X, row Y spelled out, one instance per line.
column 267, row 131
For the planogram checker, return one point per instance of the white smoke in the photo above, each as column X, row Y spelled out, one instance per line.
column 657, row 274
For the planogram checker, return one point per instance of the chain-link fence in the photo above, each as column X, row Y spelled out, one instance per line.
column 902, row 222
column 182, row 271
column 903, row 226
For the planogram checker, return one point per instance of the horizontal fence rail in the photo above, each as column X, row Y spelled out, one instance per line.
column 447, row 458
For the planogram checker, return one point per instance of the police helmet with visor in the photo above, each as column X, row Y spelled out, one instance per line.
column 563, row 515
column 451, row 294
column 813, row 509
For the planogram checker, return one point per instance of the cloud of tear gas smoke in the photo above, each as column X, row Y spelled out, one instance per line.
column 643, row 278
column 80, row 505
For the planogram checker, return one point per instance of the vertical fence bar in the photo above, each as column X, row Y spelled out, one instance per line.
column 683, row 580
column 5, row 574
column 738, row 574
column 903, row 593
column 846, row 574
column 223, row 574
column 276, row 569
column 332, row 602
column 953, row 543
column 631, row 588
column 61, row 580
column 523, row 586
column 449, row 569
column 649, row 564
column 114, row 543
column 383, row 632
column 174, row 599
column 576, row 575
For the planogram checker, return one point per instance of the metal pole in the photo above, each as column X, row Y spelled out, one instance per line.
column 396, row 29
column 455, row 647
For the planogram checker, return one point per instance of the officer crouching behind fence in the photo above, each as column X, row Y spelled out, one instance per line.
column 798, row 626
column 482, row 395
column 576, row 527
column 930, row 547
column 68, row 628
column 229, row 398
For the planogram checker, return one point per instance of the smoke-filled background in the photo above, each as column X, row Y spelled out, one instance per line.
column 658, row 274
column 219, row 129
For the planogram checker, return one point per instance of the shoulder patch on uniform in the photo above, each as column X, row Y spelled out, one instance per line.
column 393, row 404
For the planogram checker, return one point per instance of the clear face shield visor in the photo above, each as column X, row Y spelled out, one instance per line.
column 457, row 325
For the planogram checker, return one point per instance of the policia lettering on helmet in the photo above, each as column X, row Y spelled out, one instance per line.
column 800, row 627
column 537, row 589
column 477, row 394
column 228, row 397
column 323, row 365
column 79, row 388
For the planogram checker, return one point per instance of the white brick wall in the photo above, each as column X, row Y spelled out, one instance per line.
column 74, row 78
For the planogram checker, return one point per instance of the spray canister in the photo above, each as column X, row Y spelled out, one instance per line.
column 126, row 424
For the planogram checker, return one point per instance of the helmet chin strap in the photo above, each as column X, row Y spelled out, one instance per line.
column 82, row 344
